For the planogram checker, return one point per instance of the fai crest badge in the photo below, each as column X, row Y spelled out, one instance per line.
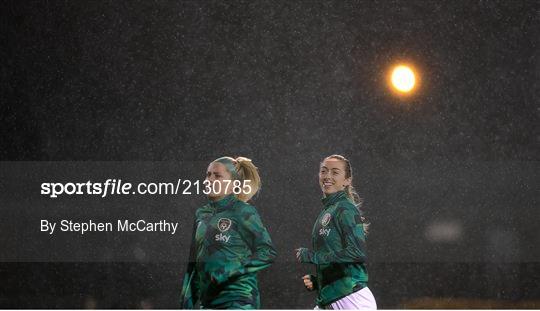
column 224, row 224
column 326, row 219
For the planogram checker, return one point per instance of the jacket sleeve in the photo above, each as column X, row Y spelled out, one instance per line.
column 190, row 290
column 263, row 250
column 353, row 242
column 258, row 239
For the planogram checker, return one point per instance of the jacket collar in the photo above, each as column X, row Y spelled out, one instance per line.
column 333, row 198
column 224, row 202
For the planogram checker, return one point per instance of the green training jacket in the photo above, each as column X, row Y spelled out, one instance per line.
column 230, row 244
column 338, row 250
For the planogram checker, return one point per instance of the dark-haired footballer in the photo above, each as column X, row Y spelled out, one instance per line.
column 338, row 238
column 230, row 243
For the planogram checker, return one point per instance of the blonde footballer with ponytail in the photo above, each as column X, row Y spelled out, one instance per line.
column 230, row 243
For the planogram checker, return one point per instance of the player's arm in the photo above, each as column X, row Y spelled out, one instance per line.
column 263, row 251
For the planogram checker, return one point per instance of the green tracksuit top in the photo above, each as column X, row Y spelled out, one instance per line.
column 230, row 244
column 338, row 250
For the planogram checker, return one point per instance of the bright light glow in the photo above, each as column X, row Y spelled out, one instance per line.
column 403, row 79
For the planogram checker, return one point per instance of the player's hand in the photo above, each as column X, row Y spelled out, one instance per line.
column 307, row 282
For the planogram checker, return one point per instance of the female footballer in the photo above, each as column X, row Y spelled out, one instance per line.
column 338, row 238
column 230, row 243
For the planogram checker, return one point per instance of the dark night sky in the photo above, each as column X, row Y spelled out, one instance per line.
column 168, row 81
column 287, row 83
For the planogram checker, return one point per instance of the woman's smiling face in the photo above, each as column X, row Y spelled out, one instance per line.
column 332, row 176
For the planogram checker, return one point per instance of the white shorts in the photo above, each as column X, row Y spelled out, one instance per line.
column 359, row 300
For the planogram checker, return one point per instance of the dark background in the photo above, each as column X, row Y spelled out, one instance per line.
column 287, row 84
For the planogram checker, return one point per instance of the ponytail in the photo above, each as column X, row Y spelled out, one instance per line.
column 248, row 171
